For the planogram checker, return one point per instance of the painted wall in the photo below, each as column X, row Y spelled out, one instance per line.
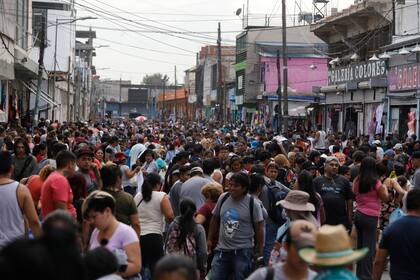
column 301, row 77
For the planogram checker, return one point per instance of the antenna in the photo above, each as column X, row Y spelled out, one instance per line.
column 320, row 10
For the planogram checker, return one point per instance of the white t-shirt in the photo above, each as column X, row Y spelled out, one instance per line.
column 150, row 213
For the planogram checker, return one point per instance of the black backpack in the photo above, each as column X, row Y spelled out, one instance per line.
column 275, row 194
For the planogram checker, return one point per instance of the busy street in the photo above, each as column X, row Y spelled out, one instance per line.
column 209, row 140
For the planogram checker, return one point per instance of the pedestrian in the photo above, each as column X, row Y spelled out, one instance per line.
column 369, row 192
column 174, row 193
column 186, row 237
column 305, row 183
column 239, row 219
column 24, row 163
column 301, row 234
column 16, row 205
column 272, row 192
column 56, row 192
column 99, row 208
column 153, row 207
column 332, row 254
column 175, row 267
column 401, row 244
column 192, row 187
column 336, row 193
column 416, row 166
column 125, row 207
column 35, row 182
column 127, row 173
column 88, row 169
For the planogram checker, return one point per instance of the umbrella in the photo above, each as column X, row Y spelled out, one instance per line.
column 141, row 119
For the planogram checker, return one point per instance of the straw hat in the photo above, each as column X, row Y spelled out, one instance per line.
column 297, row 201
column 332, row 248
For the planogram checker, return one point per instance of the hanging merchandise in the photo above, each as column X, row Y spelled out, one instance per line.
column 411, row 124
column 379, row 114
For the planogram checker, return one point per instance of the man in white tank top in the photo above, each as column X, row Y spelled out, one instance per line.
column 15, row 204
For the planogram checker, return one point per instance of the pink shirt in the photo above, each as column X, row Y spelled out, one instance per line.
column 368, row 203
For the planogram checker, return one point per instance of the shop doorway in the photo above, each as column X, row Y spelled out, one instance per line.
column 350, row 127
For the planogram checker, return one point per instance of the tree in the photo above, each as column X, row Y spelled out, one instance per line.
column 156, row 79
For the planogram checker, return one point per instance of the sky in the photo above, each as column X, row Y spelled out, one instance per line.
column 140, row 37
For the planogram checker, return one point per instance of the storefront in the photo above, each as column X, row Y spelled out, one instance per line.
column 404, row 83
column 354, row 98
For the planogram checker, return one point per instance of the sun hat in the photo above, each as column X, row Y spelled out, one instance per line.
column 332, row 248
column 296, row 201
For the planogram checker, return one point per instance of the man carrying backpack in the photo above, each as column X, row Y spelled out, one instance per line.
column 272, row 192
column 239, row 219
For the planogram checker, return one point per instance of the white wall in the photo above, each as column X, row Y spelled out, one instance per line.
column 406, row 19
column 65, row 41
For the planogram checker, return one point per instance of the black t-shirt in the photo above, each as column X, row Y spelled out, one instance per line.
column 401, row 240
column 334, row 192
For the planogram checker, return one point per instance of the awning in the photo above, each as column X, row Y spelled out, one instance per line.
column 298, row 112
column 401, row 94
column 44, row 96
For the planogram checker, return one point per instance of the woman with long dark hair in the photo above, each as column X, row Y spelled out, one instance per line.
column 369, row 192
column 153, row 206
column 305, row 183
column 186, row 237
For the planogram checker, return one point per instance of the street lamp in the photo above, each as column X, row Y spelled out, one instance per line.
column 57, row 23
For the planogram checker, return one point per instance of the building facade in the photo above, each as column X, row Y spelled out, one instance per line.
column 357, row 86
column 256, row 71
column 403, row 99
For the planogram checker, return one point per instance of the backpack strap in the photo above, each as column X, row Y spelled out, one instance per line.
column 138, row 204
column 224, row 199
column 270, row 273
column 251, row 211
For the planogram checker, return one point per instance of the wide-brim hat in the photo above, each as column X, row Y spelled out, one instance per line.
column 332, row 248
column 297, row 201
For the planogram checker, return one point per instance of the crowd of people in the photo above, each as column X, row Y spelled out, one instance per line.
column 152, row 200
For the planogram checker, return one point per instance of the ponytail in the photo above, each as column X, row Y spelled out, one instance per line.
column 186, row 220
column 149, row 184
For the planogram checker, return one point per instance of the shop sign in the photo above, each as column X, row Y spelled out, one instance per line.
column 357, row 72
column 404, row 77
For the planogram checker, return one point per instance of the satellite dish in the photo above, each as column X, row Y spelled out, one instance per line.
column 238, row 11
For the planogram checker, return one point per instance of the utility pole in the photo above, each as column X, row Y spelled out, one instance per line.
column 40, row 69
column 175, row 109
column 164, row 99
column 219, row 73
column 55, row 68
column 68, row 91
column 285, row 72
column 120, row 97
column 279, row 126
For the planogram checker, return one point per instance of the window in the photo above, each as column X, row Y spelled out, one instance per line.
column 22, row 15
column 38, row 15
column 241, row 44
column 240, row 82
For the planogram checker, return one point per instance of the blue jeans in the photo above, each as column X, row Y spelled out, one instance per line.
column 236, row 263
column 270, row 238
